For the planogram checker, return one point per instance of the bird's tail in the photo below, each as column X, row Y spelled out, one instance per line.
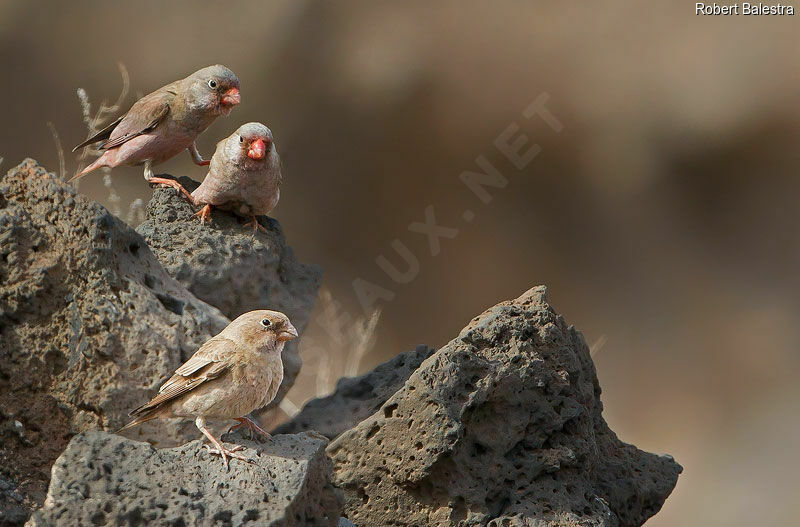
column 143, row 418
column 99, row 162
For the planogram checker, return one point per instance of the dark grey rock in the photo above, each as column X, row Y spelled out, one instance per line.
column 14, row 506
column 502, row 426
column 356, row 398
column 90, row 324
column 105, row 479
column 231, row 267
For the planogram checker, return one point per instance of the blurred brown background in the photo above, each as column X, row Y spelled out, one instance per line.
column 663, row 218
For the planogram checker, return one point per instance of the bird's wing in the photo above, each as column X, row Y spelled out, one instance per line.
column 103, row 134
column 211, row 361
column 143, row 117
column 215, row 350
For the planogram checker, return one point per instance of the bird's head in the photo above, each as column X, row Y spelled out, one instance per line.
column 263, row 329
column 254, row 141
column 214, row 89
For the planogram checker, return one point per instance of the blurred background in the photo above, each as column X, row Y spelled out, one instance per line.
column 663, row 217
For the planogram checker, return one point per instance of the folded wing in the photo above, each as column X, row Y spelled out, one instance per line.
column 211, row 361
column 143, row 117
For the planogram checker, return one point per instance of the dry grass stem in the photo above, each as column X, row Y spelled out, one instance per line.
column 135, row 212
column 362, row 340
column 346, row 342
column 597, row 345
column 62, row 165
column 94, row 123
column 288, row 407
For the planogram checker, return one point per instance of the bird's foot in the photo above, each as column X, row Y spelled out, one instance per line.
column 255, row 225
column 204, row 214
column 246, row 422
column 227, row 453
column 196, row 157
column 170, row 183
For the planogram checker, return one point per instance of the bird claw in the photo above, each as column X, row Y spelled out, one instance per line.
column 225, row 453
column 246, row 422
column 170, row 183
column 204, row 214
column 255, row 225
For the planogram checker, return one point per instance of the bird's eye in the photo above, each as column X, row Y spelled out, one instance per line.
column 266, row 322
column 212, row 83
column 241, row 140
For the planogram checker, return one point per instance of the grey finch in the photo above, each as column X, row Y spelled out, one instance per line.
column 166, row 122
column 244, row 176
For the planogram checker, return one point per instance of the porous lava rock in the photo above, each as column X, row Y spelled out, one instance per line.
column 502, row 426
column 356, row 398
column 106, row 479
column 90, row 325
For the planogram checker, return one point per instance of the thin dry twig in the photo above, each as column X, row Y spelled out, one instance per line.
column 347, row 342
column 288, row 407
column 135, row 212
column 598, row 344
column 323, row 384
column 113, row 197
column 363, row 338
column 94, row 123
column 62, row 165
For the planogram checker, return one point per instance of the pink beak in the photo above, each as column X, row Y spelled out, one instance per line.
column 288, row 334
column 231, row 97
column 257, row 149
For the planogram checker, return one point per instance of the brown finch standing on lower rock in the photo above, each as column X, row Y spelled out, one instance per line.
column 166, row 122
column 231, row 375
column 244, row 176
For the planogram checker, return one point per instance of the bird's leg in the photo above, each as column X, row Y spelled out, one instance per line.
column 204, row 214
column 196, row 157
column 255, row 225
column 250, row 425
column 150, row 178
column 171, row 183
column 148, row 170
column 220, row 450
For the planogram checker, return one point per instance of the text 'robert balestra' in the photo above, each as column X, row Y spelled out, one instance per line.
column 743, row 9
